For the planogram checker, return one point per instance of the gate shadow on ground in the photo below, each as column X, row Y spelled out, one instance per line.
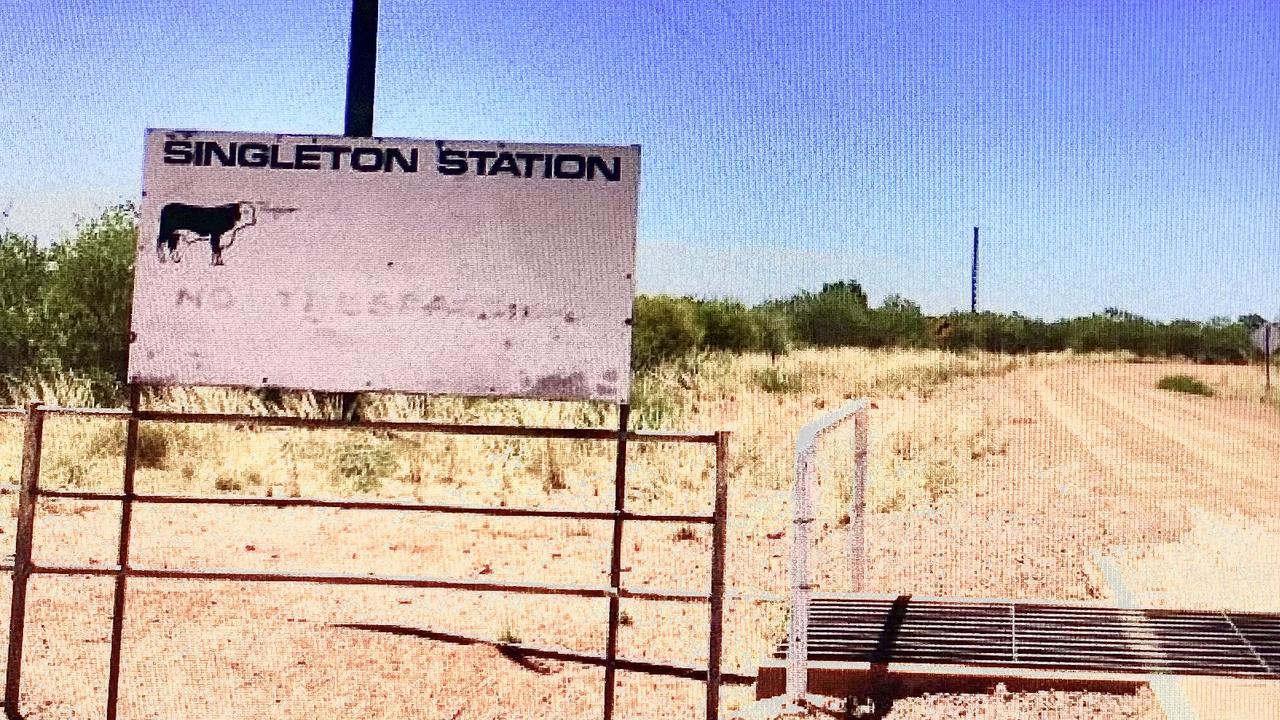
column 526, row 656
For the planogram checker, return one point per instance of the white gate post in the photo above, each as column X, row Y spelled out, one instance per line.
column 803, row 502
column 857, row 513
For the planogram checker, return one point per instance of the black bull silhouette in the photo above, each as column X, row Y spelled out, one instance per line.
column 206, row 222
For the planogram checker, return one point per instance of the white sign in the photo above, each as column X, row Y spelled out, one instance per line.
column 361, row 264
column 1260, row 337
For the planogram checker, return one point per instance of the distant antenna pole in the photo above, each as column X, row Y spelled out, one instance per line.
column 973, row 294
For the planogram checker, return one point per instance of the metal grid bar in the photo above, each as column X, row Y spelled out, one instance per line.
column 1042, row 636
column 615, row 562
column 718, row 549
column 85, row 411
column 122, row 575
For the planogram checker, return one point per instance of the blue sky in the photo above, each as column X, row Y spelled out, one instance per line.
column 1114, row 153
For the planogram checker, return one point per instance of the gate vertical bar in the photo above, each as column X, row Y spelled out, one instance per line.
column 858, row 513
column 126, row 523
column 33, row 437
column 718, row 549
column 615, row 560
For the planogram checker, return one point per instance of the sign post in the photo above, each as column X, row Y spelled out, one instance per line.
column 362, row 60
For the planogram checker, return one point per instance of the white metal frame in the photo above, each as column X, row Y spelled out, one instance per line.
column 805, row 500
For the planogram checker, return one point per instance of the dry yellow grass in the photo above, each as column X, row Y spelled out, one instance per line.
column 716, row 392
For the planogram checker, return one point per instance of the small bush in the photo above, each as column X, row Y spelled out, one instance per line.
column 509, row 636
column 728, row 325
column 653, row 403
column 772, row 379
column 940, row 480
column 686, row 532
column 553, row 477
column 227, row 483
column 665, row 327
column 364, row 464
column 154, row 445
column 1184, row 384
column 625, row 620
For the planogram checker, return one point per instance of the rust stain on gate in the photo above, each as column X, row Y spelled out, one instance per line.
column 30, row 491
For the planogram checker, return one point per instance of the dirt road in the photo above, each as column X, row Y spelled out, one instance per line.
column 1179, row 493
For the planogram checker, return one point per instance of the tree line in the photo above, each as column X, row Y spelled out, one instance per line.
column 839, row 315
column 65, row 308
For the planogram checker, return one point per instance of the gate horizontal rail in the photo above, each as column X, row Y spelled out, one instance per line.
column 29, row 490
column 257, row 501
column 413, row 581
column 421, row 426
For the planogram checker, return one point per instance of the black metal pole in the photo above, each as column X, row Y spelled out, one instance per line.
column 361, row 63
column 126, row 522
column 973, row 280
column 32, row 440
column 362, row 60
column 615, row 560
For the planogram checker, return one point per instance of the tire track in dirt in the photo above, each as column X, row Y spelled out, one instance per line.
column 1130, row 464
column 1094, row 439
column 1260, row 429
column 1161, row 456
column 1195, row 440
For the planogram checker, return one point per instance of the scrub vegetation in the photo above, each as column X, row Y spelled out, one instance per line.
column 64, row 308
column 1184, row 384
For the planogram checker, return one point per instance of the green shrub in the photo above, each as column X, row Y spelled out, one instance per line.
column 23, row 272
column 1184, row 384
column 685, row 533
column 86, row 294
column 154, row 445
column 775, row 332
column 775, row 380
column 728, row 325
column 653, row 404
column 836, row 315
column 364, row 464
column 665, row 328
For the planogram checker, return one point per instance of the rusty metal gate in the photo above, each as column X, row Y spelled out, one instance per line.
column 30, row 491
